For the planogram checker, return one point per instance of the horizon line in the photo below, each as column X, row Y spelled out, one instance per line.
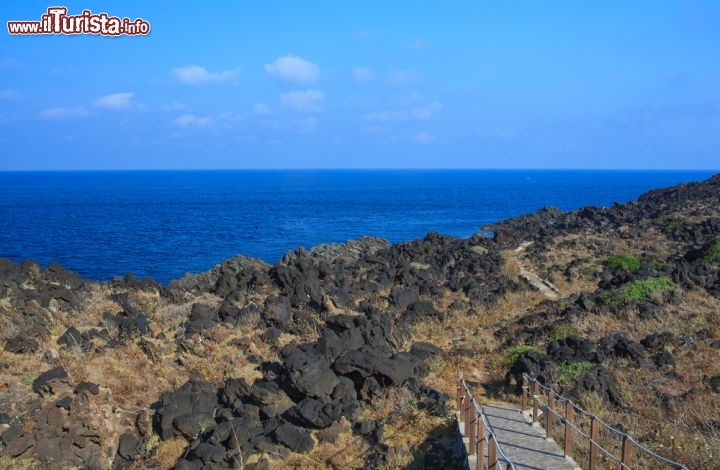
column 58, row 170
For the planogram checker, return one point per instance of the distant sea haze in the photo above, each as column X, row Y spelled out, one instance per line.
column 161, row 224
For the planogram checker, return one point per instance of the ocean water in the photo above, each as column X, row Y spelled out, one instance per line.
column 162, row 224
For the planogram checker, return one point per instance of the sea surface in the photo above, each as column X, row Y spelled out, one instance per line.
column 161, row 224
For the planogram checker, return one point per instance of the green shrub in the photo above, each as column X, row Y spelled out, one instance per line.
column 611, row 298
column 562, row 331
column 570, row 371
column 590, row 271
column 513, row 353
column 713, row 252
column 636, row 291
column 623, row 261
column 643, row 289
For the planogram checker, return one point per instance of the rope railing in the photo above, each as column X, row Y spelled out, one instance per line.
column 629, row 447
column 479, row 432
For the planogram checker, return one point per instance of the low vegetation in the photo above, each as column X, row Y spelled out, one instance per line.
column 636, row 291
column 562, row 331
column 713, row 252
column 511, row 356
column 623, row 261
column 570, row 371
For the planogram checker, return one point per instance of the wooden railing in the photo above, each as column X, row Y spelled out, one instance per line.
column 626, row 452
column 478, row 431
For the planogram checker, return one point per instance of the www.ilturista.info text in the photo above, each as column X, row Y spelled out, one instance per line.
column 57, row 21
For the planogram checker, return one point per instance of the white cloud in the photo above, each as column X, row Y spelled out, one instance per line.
column 368, row 35
column 261, row 109
column 190, row 120
column 293, row 69
column 387, row 115
column 10, row 95
column 403, row 77
column 424, row 138
column 363, row 75
column 307, row 101
column 174, row 106
column 417, row 44
column 425, row 111
column 301, row 125
column 64, row 113
column 196, row 75
column 417, row 113
column 114, row 101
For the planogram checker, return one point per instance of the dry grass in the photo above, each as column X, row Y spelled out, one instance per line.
column 685, row 428
column 468, row 340
column 348, row 452
column 169, row 452
column 133, row 379
column 95, row 306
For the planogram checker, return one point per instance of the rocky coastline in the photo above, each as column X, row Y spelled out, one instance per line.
column 251, row 365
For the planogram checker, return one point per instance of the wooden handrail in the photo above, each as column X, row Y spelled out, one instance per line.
column 629, row 447
column 478, row 431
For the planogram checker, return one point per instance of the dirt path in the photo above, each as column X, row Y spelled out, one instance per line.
column 544, row 286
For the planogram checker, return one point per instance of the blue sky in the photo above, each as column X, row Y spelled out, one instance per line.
column 372, row 84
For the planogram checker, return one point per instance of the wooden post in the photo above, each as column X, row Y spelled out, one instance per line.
column 459, row 396
column 468, row 413
column 627, row 457
column 481, row 445
column 525, row 393
column 594, row 436
column 550, row 415
column 569, row 414
column 492, row 453
column 471, row 434
column 536, row 405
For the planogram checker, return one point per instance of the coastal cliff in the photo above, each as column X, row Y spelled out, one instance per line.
column 345, row 355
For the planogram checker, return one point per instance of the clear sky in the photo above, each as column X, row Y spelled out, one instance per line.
column 367, row 84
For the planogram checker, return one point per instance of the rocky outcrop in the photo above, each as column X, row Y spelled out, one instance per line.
column 73, row 425
column 316, row 386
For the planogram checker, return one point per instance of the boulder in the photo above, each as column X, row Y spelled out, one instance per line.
column 51, row 381
column 196, row 399
column 73, row 338
column 190, row 425
column 277, row 312
column 308, row 372
column 315, row 413
column 530, row 363
column 573, row 349
column 421, row 310
column 658, row 341
column 294, row 438
column 424, row 351
column 600, row 381
column 22, row 344
column 368, row 362
column 202, row 319
column 618, row 345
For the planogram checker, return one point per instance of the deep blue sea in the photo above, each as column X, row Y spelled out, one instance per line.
column 162, row 224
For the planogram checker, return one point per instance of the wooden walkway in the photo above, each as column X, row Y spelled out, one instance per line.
column 524, row 444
